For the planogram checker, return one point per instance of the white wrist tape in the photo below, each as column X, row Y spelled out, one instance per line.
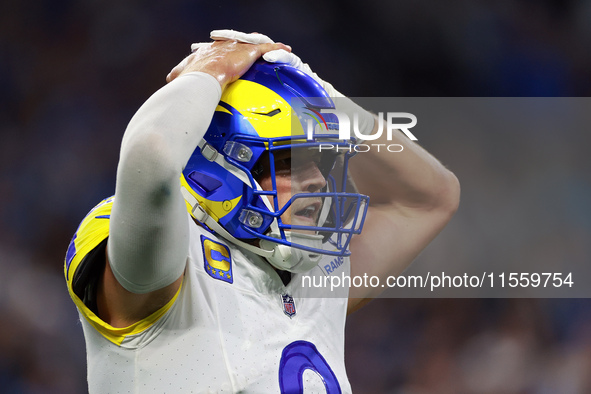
column 249, row 38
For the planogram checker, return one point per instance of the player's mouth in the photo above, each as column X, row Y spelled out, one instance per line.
column 308, row 215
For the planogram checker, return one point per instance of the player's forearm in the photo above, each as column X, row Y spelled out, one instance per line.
column 412, row 197
column 149, row 225
column 411, row 178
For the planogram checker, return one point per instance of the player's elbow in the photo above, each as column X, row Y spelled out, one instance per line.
column 147, row 164
column 447, row 194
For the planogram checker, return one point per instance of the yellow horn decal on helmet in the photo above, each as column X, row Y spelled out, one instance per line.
column 255, row 101
column 222, row 109
column 215, row 209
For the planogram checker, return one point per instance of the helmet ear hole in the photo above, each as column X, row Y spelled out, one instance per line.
column 206, row 183
column 257, row 171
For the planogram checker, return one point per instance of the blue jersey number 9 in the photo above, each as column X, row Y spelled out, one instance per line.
column 295, row 359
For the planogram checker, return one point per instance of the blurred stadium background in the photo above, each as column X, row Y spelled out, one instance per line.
column 72, row 73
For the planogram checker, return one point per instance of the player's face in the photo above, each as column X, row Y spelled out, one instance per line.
column 294, row 174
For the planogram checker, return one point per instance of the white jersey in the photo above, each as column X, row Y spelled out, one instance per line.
column 232, row 327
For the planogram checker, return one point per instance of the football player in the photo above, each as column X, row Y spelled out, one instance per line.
column 189, row 279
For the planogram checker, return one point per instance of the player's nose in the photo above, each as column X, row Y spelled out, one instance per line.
column 312, row 179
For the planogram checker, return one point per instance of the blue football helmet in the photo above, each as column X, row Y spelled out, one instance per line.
column 271, row 110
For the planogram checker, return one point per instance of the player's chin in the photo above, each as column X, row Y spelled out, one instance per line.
column 303, row 221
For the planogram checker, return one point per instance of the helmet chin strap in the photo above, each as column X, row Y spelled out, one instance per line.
column 289, row 258
column 280, row 256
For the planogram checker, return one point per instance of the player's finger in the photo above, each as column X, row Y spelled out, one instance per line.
column 196, row 46
column 281, row 56
column 266, row 48
column 177, row 69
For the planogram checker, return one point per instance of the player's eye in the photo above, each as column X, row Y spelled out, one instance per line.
column 283, row 162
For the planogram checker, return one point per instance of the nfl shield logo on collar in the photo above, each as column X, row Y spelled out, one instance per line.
column 288, row 305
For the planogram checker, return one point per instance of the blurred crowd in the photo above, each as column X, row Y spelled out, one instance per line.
column 72, row 73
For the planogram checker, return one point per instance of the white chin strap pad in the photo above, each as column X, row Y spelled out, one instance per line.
column 288, row 258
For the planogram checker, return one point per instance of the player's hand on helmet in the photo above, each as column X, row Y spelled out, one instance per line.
column 275, row 56
column 225, row 60
column 280, row 55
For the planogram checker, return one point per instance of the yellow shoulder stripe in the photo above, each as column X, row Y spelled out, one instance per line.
column 117, row 335
column 93, row 229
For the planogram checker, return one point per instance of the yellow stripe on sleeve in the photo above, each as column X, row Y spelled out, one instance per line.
column 94, row 229
column 117, row 335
